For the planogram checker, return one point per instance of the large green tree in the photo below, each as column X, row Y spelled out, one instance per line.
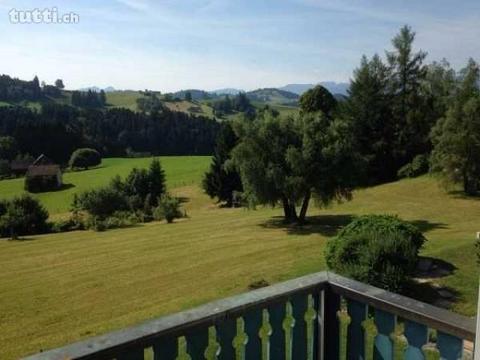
column 221, row 181
column 456, row 137
column 369, row 109
column 407, row 72
column 289, row 160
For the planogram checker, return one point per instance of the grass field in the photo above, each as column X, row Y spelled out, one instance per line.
column 59, row 288
column 125, row 99
column 180, row 171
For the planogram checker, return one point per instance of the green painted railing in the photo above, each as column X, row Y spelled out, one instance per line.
column 319, row 316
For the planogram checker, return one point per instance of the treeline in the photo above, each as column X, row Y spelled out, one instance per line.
column 58, row 130
column 228, row 105
column 89, row 98
column 12, row 89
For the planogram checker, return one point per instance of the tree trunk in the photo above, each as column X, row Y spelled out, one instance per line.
column 303, row 210
column 289, row 210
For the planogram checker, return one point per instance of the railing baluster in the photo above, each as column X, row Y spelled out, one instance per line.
column 450, row 347
column 197, row 343
column 417, row 336
column 383, row 347
column 299, row 339
column 253, row 323
column 277, row 315
column 331, row 326
column 356, row 333
column 166, row 348
column 226, row 332
column 135, row 354
column 316, row 340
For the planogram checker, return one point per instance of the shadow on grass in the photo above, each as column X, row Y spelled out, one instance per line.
column 429, row 293
column 327, row 225
column 425, row 225
column 459, row 194
column 183, row 199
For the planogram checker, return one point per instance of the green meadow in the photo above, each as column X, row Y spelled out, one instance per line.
column 60, row 288
column 179, row 170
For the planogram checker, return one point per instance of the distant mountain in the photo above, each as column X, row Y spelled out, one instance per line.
column 226, row 91
column 298, row 89
column 332, row 86
column 274, row 96
column 97, row 89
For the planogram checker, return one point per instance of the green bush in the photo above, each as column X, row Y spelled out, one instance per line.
column 380, row 250
column 417, row 167
column 36, row 184
column 22, row 215
column 168, row 208
column 85, row 158
column 101, row 203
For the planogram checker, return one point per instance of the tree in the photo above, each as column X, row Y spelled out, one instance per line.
column 188, row 96
column 59, row 84
column 407, row 73
column 317, row 99
column 102, row 202
column 369, row 109
column 36, row 88
column 222, row 181
column 290, row 160
column 22, row 215
column 8, row 148
column 456, row 137
column 168, row 208
column 85, row 158
column 156, row 178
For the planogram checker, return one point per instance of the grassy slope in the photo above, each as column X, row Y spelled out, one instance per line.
column 180, row 171
column 126, row 99
column 59, row 288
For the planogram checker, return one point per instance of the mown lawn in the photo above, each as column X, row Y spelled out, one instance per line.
column 59, row 288
column 179, row 170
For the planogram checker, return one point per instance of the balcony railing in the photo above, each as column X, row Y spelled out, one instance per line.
column 296, row 319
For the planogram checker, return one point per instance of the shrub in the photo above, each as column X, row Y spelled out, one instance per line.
column 380, row 250
column 22, row 215
column 417, row 167
column 168, row 208
column 36, row 184
column 85, row 158
column 102, row 202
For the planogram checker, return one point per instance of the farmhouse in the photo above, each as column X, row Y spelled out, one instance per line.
column 43, row 178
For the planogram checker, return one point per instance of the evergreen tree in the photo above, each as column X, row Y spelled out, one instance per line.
column 220, row 182
column 369, row 109
column 36, row 88
column 456, row 137
column 157, row 185
column 407, row 75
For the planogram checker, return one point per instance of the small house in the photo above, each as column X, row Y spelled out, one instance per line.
column 43, row 178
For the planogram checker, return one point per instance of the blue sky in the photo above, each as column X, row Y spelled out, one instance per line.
column 173, row 44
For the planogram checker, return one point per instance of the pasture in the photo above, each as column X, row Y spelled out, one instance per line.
column 179, row 171
column 60, row 288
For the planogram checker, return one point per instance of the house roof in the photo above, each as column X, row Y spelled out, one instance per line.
column 43, row 170
column 20, row 164
column 43, row 160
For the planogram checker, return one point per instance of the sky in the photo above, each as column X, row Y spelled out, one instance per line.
column 169, row 45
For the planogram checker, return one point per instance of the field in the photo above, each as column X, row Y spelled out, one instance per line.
column 180, row 171
column 59, row 288
column 125, row 99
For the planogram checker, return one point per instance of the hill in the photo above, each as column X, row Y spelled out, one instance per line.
column 180, row 171
column 226, row 91
column 196, row 94
column 332, row 86
column 148, row 270
column 273, row 96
